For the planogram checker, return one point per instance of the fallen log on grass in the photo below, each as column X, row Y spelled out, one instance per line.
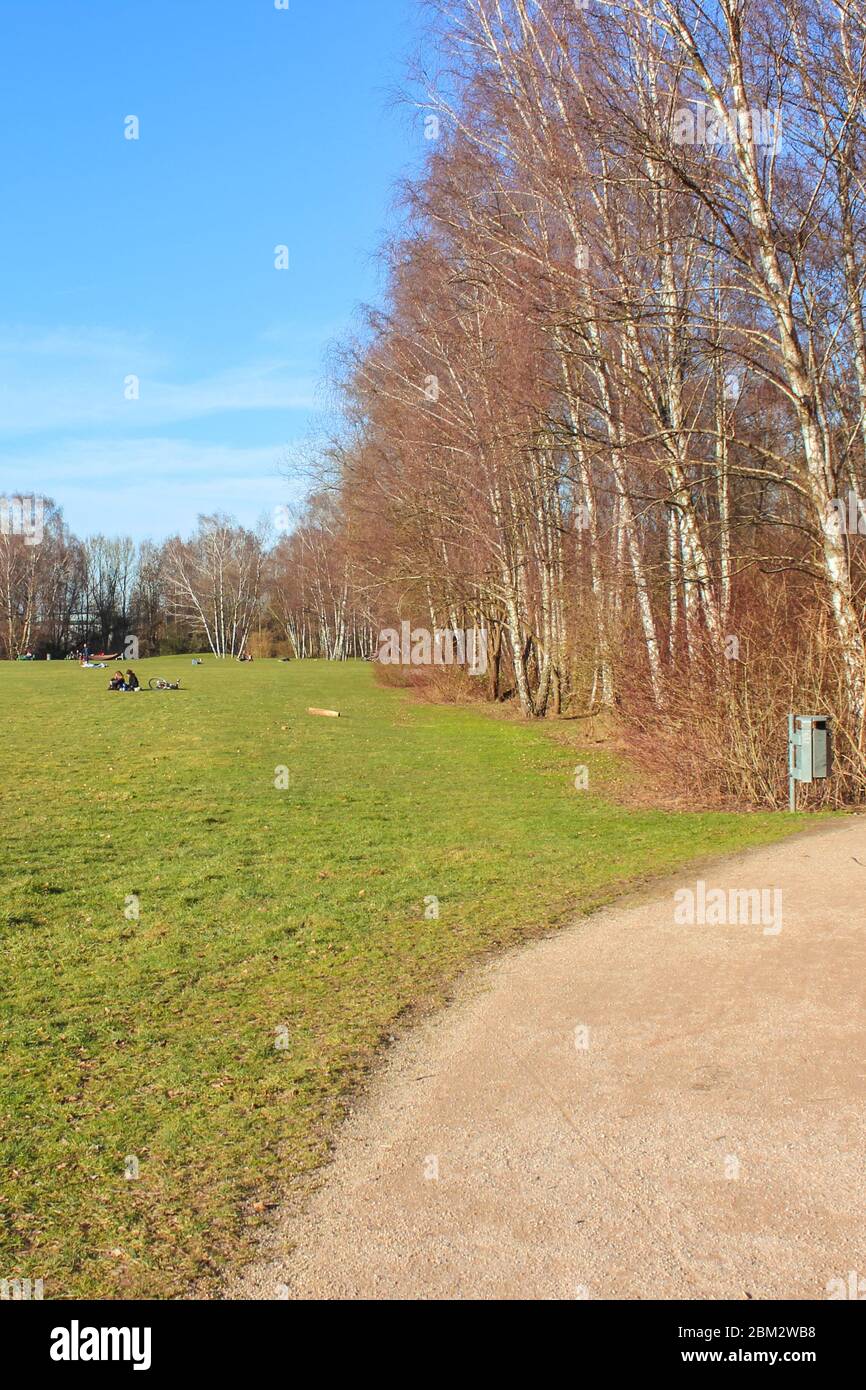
column 325, row 713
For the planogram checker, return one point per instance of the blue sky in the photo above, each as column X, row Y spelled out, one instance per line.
column 154, row 258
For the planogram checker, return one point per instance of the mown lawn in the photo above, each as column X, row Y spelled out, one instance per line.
column 280, row 932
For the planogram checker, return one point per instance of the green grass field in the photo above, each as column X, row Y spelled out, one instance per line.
column 280, row 933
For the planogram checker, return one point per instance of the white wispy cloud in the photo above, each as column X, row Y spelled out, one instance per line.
column 151, row 487
column 120, row 459
column 74, row 378
column 151, row 466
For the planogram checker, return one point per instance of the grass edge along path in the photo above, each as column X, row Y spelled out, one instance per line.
column 214, row 908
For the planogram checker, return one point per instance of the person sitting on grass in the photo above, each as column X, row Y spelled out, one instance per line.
column 117, row 682
column 132, row 681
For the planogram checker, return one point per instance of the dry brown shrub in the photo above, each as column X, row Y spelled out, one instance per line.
column 721, row 739
column 442, row 685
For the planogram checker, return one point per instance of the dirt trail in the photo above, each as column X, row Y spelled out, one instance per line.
column 709, row 1141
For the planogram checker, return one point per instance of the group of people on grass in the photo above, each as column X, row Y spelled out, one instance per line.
column 119, row 681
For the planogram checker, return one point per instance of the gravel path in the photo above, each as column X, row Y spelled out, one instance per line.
column 632, row 1108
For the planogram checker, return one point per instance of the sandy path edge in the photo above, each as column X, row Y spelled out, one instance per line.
column 629, row 1108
